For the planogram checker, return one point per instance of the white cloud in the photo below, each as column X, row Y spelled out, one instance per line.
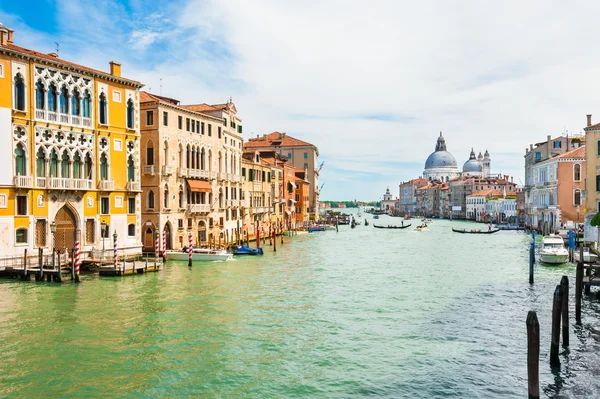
column 488, row 74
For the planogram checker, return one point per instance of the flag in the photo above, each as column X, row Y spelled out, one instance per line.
column 321, row 166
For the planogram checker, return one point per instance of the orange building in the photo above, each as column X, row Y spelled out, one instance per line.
column 302, row 199
column 571, row 177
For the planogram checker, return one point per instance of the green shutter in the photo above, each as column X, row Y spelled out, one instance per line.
column 263, row 175
column 244, row 172
column 240, row 129
column 251, row 174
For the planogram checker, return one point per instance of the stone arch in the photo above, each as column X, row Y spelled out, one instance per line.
column 168, row 230
column 66, row 228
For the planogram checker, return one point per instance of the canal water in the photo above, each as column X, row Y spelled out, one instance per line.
column 359, row 313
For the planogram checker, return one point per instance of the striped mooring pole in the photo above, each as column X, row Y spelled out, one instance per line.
column 164, row 246
column 77, row 260
column 190, row 250
column 115, row 249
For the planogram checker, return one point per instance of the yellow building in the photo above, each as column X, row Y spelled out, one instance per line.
column 302, row 205
column 257, row 192
column 71, row 160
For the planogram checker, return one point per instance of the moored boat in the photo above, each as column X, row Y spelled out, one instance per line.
column 391, row 227
column 199, row 254
column 553, row 250
column 475, row 231
column 246, row 250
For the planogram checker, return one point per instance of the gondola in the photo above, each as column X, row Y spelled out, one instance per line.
column 391, row 227
column 465, row 231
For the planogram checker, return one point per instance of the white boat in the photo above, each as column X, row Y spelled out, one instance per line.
column 553, row 250
column 200, row 254
column 588, row 256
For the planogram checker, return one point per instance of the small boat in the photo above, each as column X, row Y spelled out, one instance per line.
column 246, row 250
column 199, row 254
column 422, row 227
column 427, row 220
column 406, row 217
column 589, row 257
column 475, row 231
column 553, row 250
column 391, row 227
column 376, row 217
column 311, row 229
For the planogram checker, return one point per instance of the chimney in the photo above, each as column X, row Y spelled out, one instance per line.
column 549, row 138
column 530, row 147
column 5, row 35
column 589, row 120
column 115, row 69
column 55, row 55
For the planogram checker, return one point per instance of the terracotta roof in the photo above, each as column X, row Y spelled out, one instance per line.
column 486, row 193
column 22, row 50
column 576, row 153
column 592, row 127
column 275, row 139
column 147, row 97
column 200, row 107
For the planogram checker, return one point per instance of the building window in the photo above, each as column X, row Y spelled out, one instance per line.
column 52, row 98
column 193, row 126
column 209, row 129
column 577, row 197
column 197, row 126
column 39, row 95
column 21, row 236
column 103, row 167
column 149, row 153
column 105, row 205
column 180, row 223
column 577, row 172
column 19, row 93
column 40, row 233
column 64, row 100
column 130, row 114
column 219, row 131
column 76, row 103
column 149, row 118
column 20, row 162
column 557, row 144
column 289, row 155
column 131, row 205
column 41, row 163
column 102, row 110
column 151, row 199
column 538, row 156
column 131, row 230
column 180, row 122
column 166, row 199
column 165, row 118
column 180, row 196
column 130, row 169
column 77, row 166
column 86, row 104
column 90, row 231
column 306, row 155
column 65, row 170
column 21, row 205
column 202, row 127
column 187, row 124
column 598, row 183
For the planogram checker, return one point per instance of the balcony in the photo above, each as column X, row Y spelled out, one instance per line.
column 222, row 176
column 149, row 170
column 236, row 178
column 67, row 183
column 182, row 172
column 41, row 182
column 63, row 119
column 168, row 170
column 133, row 186
column 228, row 203
column 212, row 175
column 23, row 181
column 235, row 202
column 199, row 208
column 106, row 185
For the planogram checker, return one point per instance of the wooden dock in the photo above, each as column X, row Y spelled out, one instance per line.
column 128, row 268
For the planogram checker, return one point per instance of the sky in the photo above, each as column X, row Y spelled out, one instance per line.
column 370, row 83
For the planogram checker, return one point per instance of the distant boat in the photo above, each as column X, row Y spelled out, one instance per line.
column 427, row 220
column 474, row 231
column 311, row 229
column 376, row 217
column 199, row 254
column 391, row 227
column 553, row 250
column 246, row 250
column 422, row 227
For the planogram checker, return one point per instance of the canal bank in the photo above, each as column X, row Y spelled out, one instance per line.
column 362, row 312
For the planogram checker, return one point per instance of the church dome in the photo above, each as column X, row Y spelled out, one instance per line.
column 472, row 166
column 440, row 159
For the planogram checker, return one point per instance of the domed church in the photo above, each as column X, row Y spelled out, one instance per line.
column 440, row 165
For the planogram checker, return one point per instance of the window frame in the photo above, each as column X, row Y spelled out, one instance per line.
column 21, row 243
column 18, row 204
column 131, row 200
column 150, row 117
column 105, row 203
column 129, row 230
column 165, row 118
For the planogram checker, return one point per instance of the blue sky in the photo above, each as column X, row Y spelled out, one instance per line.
column 370, row 83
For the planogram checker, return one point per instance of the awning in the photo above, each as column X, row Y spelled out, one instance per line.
column 199, row 186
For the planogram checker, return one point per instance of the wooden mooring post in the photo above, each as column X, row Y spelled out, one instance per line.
column 533, row 355
column 564, row 283
column 578, row 291
column 41, row 262
column 556, row 316
column 25, row 275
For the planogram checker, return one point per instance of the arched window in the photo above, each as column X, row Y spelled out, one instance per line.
column 577, row 197
column 53, row 164
column 77, row 166
column 130, row 169
column 52, row 98
column 197, row 158
column 151, row 199
column 64, row 100
column 102, row 110
column 87, row 167
column 20, row 162
column 41, row 163
column 65, row 170
column 86, row 104
column 203, row 159
column 180, row 156
column 577, row 172
column 131, row 230
column 130, row 114
column 166, row 199
column 21, row 236
column 39, row 95
column 19, row 92
column 166, row 153
column 180, row 196
column 103, row 167
column 193, row 162
column 149, row 153
column 187, row 157
column 76, row 103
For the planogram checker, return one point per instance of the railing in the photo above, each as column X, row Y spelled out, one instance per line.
column 199, row 208
column 40, row 114
column 23, row 181
column 227, row 203
column 64, row 118
column 86, row 122
column 40, row 182
column 222, row 176
column 168, row 170
column 133, row 186
column 76, row 120
column 67, row 183
column 235, row 202
column 149, row 170
column 212, row 175
column 106, row 185
column 236, row 178
column 50, row 116
column 182, row 172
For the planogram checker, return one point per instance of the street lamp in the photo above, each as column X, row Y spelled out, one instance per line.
column 102, row 234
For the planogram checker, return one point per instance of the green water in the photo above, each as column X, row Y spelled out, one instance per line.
column 359, row 313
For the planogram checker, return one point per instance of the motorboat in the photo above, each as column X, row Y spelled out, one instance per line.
column 246, row 250
column 422, row 227
column 588, row 256
column 376, row 217
column 553, row 250
column 199, row 254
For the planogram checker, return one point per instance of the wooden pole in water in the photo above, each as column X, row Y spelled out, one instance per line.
column 578, row 291
column 270, row 233
column 25, row 264
column 275, row 238
column 73, row 264
column 556, row 316
column 531, row 261
column 190, row 251
column 41, row 262
column 59, row 266
column 281, row 231
column 533, row 355
column 564, row 283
